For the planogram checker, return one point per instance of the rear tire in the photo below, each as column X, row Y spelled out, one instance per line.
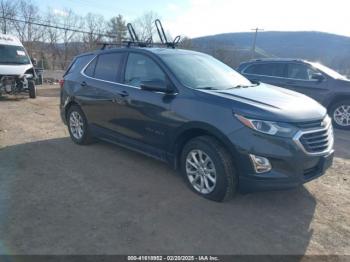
column 208, row 169
column 340, row 114
column 32, row 89
column 78, row 126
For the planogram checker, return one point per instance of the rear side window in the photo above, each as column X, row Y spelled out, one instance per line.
column 108, row 66
column 78, row 63
column 267, row 69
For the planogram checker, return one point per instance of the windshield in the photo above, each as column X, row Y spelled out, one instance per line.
column 200, row 71
column 328, row 71
column 10, row 54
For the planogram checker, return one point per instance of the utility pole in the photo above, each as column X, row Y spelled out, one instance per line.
column 254, row 41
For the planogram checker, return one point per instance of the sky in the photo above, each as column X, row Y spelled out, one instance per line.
column 195, row 18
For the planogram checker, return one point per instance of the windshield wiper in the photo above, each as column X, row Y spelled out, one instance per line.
column 242, row 86
column 207, row 88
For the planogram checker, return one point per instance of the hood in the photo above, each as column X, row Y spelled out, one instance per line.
column 17, row 70
column 344, row 82
column 272, row 103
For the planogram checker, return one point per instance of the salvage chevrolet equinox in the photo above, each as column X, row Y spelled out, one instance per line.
column 222, row 132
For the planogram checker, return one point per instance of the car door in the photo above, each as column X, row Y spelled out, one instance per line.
column 144, row 122
column 267, row 72
column 102, row 92
column 300, row 79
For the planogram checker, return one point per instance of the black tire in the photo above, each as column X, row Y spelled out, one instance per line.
column 226, row 176
column 86, row 137
column 332, row 111
column 31, row 89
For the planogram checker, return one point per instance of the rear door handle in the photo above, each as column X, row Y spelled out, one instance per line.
column 290, row 82
column 83, row 84
column 124, row 94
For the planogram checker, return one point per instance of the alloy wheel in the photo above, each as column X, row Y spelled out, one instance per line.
column 341, row 115
column 201, row 172
column 76, row 125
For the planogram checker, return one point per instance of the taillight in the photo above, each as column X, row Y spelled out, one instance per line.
column 61, row 82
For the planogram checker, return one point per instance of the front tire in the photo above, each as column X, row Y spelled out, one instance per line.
column 78, row 126
column 32, row 89
column 340, row 113
column 208, row 169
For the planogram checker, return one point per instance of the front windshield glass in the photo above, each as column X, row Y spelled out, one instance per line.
column 328, row 71
column 10, row 54
column 200, row 71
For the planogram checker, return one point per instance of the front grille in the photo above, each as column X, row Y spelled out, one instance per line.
column 317, row 141
column 310, row 124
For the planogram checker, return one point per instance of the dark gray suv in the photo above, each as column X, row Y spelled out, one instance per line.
column 315, row 80
column 188, row 109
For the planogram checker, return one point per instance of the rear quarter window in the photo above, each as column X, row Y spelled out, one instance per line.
column 78, row 63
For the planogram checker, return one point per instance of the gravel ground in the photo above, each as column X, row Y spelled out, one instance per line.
column 60, row 198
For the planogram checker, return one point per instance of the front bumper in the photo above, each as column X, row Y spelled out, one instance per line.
column 291, row 165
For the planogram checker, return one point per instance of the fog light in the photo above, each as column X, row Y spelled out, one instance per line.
column 261, row 164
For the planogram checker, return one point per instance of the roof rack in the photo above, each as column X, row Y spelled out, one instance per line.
column 162, row 35
column 135, row 41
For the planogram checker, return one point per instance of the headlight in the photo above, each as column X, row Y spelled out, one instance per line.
column 28, row 75
column 268, row 127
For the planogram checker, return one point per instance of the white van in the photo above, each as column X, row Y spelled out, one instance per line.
column 17, row 73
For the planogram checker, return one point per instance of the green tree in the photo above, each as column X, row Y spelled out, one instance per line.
column 117, row 29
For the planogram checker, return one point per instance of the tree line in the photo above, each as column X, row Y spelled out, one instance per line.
column 54, row 37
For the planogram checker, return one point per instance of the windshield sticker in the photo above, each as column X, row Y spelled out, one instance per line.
column 21, row 53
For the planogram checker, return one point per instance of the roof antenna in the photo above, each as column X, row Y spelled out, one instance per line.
column 162, row 35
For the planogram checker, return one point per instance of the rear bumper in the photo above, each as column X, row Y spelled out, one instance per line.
column 291, row 166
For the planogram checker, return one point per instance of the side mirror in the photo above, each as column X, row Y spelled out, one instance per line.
column 318, row 76
column 155, row 85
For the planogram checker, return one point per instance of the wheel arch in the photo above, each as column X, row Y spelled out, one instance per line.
column 69, row 103
column 337, row 99
column 194, row 130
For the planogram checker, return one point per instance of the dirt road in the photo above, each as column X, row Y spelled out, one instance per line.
column 60, row 198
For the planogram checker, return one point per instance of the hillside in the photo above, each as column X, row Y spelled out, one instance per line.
column 332, row 50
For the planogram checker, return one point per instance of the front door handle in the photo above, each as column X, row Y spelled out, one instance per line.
column 121, row 97
column 83, row 84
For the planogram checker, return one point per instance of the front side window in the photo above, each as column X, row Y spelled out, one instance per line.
column 267, row 69
column 300, row 72
column 141, row 68
column 13, row 55
column 108, row 66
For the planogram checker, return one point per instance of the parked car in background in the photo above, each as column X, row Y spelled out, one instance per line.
column 200, row 116
column 17, row 73
column 315, row 80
